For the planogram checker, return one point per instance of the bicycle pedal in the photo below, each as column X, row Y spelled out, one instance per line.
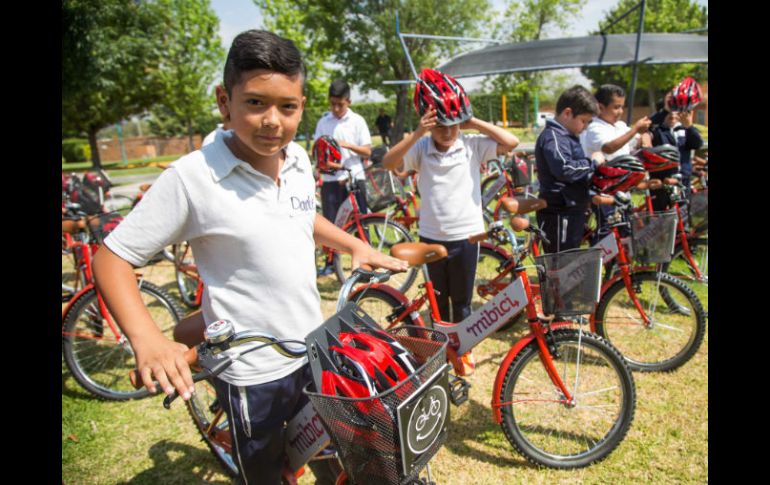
column 458, row 390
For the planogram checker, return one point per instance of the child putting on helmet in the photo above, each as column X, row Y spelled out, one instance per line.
column 448, row 163
column 674, row 127
column 246, row 204
column 564, row 170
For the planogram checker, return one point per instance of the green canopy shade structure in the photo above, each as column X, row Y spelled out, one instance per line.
column 589, row 51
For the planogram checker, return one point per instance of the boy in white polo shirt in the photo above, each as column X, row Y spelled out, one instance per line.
column 245, row 202
column 608, row 134
column 350, row 131
column 448, row 163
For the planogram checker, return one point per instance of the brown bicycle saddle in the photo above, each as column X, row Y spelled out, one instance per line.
column 520, row 205
column 417, row 253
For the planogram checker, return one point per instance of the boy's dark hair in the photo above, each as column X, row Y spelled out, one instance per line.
column 260, row 49
column 339, row 89
column 606, row 91
column 579, row 99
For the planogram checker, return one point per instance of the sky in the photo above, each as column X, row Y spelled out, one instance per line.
column 235, row 16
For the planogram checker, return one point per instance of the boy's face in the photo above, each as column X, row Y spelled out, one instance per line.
column 671, row 119
column 264, row 110
column 444, row 136
column 338, row 106
column 574, row 124
column 612, row 112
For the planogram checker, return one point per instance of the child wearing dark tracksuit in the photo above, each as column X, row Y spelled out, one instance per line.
column 564, row 170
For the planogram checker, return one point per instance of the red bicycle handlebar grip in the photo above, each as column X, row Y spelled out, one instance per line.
column 190, row 356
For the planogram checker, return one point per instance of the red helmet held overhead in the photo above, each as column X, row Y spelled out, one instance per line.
column 686, row 95
column 659, row 158
column 619, row 174
column 440, row 91
column 325, row 150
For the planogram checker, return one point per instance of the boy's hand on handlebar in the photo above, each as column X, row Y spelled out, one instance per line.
column 164, row 361
column 365, row 254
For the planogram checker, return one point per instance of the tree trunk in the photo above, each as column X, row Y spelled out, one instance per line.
column 96, row 160
column 190, row 144
column 402, row 107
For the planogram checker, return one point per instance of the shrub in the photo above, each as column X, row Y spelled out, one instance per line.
column 75, row 150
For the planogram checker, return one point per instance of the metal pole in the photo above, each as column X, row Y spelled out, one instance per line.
column 636, row 62
column 119, row 129
column 505, row 114
column 403, row 45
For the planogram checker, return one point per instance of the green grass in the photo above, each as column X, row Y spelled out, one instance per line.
column 142, row 443
column 117, row 164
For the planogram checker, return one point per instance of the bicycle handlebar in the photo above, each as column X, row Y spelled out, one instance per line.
column 359, row 274
column 206, row 354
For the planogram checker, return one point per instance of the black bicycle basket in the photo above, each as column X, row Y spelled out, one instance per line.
column 381, row 188
column 653, row 236
column 366, row 432
column 570, row 281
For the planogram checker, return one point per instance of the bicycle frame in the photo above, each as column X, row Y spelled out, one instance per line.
column 538, row 331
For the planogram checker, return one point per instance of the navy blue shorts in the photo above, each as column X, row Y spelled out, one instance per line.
column 257, row 415
column 453, row 277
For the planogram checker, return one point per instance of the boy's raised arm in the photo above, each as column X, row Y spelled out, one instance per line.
column 156, row 356
column 395, row 156
column 506, row 141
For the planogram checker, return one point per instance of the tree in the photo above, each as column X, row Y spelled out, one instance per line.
column 361, row 37
column 192, row 57
column 110, row 62
column 287, row 19
column 527, row 21
column 659, row 16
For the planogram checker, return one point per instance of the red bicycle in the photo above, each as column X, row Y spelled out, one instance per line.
column 564, row 398
column 95, row 350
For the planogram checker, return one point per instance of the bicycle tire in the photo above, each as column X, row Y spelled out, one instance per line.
column 121, row 204
column 186, row 284
column 488, row 267
column 656, row 348
column 379, row 305
column 681, row 269
column 373, row 228
column 203, row 408
column 96, row 358
column 600, row 366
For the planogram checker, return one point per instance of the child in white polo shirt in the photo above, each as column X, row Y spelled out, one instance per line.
column 246, row 204
column 351, row 132
column 448, row 163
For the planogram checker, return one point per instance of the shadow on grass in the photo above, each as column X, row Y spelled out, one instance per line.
column 71, row 388
column 476, row 427
column 177, row 463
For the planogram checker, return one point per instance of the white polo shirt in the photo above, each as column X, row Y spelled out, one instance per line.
column 450, row 186
column 600, row 132
column 252, row 241
column 351, row 128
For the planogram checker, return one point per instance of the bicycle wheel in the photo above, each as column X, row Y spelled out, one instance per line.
column 677, row 321
column 100, row 360
column 489, row 266
column 551, row 432
column 383, row 236
column 681, row 268
column 382, row 307
column 212, row 423
column 186, row 274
